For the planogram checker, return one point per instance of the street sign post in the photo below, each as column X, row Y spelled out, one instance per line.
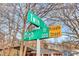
column 38, row 47
column 36, row 34
column 42, row 32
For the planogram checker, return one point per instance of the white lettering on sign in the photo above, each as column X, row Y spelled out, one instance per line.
column 30, row 35
column 34, row 20
column 45, row 35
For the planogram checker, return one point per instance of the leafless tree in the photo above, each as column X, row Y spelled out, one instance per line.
column 13, row 20
column 69, row 14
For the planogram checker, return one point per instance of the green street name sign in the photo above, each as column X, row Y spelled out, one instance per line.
column 34, row 19
column 36, row 34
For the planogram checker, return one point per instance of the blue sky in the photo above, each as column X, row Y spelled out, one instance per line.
column 60, row 39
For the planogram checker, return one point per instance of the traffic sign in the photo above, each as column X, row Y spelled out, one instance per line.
column 32, row 35
column 36, row 34
column 55, row 31
column 34, row 19
column 43, row 31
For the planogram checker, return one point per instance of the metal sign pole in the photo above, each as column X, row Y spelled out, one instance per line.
column 38, row 47
column 56, row 42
